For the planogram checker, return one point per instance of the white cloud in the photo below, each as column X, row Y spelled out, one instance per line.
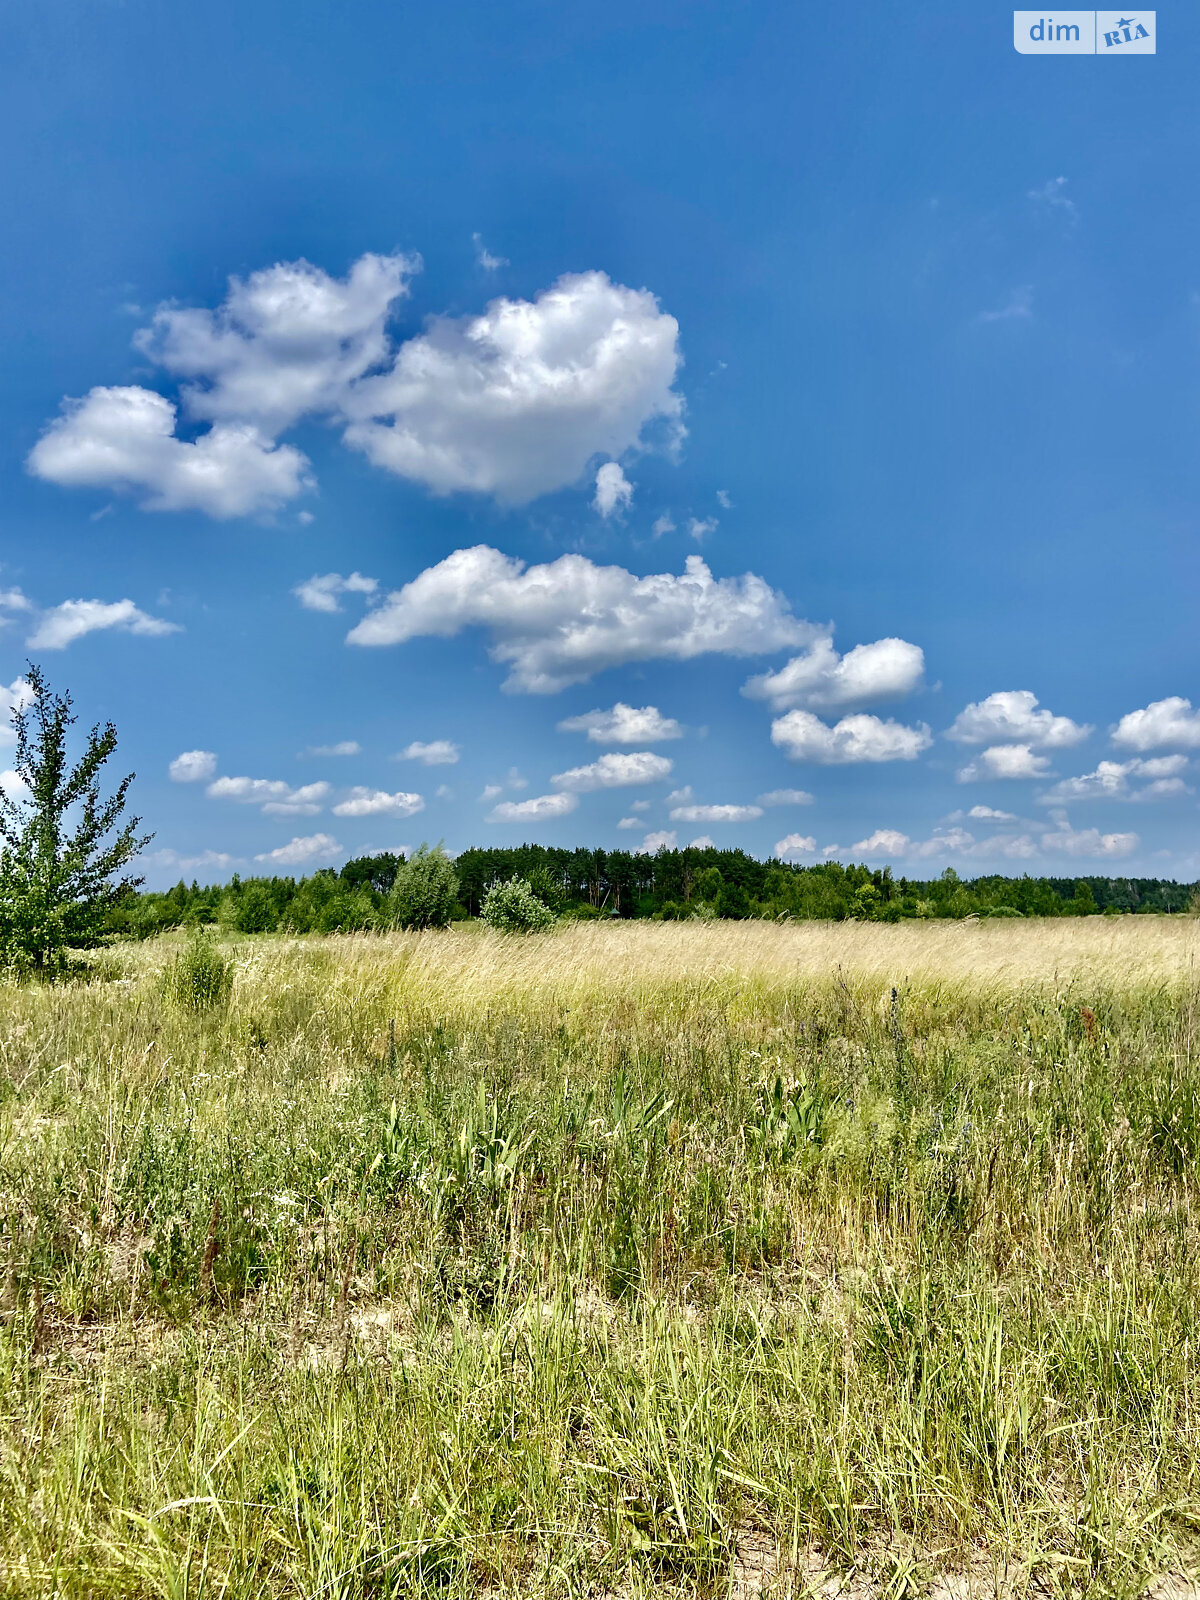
column 702, row 842
column 1004, row 761
column 630, row 822
column 883, row 842
column 821, row 680
column 300, row 851
column 14, row 786
column 286, row 342
column 14, row 697
column 190, row 863
column 785, row 797
column 276, row 798
column 805, row 737
column 484, row 256
column 623, row 725
column 124, row 439
column 990, row 814
column 1163, row 722
column 517, row 401
column 723, row 500
column 363, row 802
column 1012, row 714
column 1110, row 781
column 1017, row 307
column 14, row 600
column 344, row 747
column 491, row 790
column 666, row 839
column 700, row 527
column 614, row 492
column 321, row 593
column 641, row 805
column 1087, row 841
column 663, row 524
column 539, row 809
column 677, row 797
column 1052, row 197
column 193, row 766
column 437, row 753
column 715, row 813
column 63, row 624
column 614, row 770
column 794, row 844
column 562, row 622
column 443, row 792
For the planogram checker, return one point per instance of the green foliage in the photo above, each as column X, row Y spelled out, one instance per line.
column 61, row 848
column 513, row 907
column 424, row 890
column 200, row 978
column 254, row 910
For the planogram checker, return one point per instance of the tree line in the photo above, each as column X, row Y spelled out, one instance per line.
column 621, row 884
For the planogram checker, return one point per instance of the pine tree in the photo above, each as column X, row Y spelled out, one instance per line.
column 61, row 848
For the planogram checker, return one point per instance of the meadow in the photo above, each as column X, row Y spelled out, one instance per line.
column 699, row 1258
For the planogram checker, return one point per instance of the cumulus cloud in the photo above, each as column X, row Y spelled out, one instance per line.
column 562, row 622
column 666, row 839
column 614, row 770
column 663, row 524
column 191, row 863
column 63, row 624
column 1004, row 761
column 14, row 697
column 614, row 492
column 344, row 747
column 891, row 843
column 631, row 822
column 1066, row 840
column 804, row 737
column 990, row 814
column 785, row 797
column 320, row 593
column 516, row 402
column 794, row 844
column 702, row 841
column 623, row 725
column 14, row 600
column 541, row 808
column 300, row 852
column 821, row 680
column 1110, row 781
column 363, row 802
column 1162, row 723
column 193, row 766
column 437, row 753
column 700, row 527
column 275, row 797
column 285, row 343
column 1013, row 715
column 692, row 813
column 124, row 439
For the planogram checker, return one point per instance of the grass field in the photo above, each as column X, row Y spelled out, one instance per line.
column 626, row 1260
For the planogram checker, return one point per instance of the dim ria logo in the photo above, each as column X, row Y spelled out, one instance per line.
column 1084, row 33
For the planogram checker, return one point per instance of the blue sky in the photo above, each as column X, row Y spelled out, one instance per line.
column 817, row 385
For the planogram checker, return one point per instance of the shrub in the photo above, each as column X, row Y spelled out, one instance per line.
column 200, row 977
column 513, row 907
column 425, row 890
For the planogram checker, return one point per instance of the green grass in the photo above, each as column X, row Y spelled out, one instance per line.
column 450, row 1265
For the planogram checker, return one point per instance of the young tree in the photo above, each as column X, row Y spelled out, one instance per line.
column 60, row 847
column 424, row 891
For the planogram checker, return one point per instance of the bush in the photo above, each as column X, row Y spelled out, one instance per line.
column 425, row 890
column 200, row 977
column 513, row 907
